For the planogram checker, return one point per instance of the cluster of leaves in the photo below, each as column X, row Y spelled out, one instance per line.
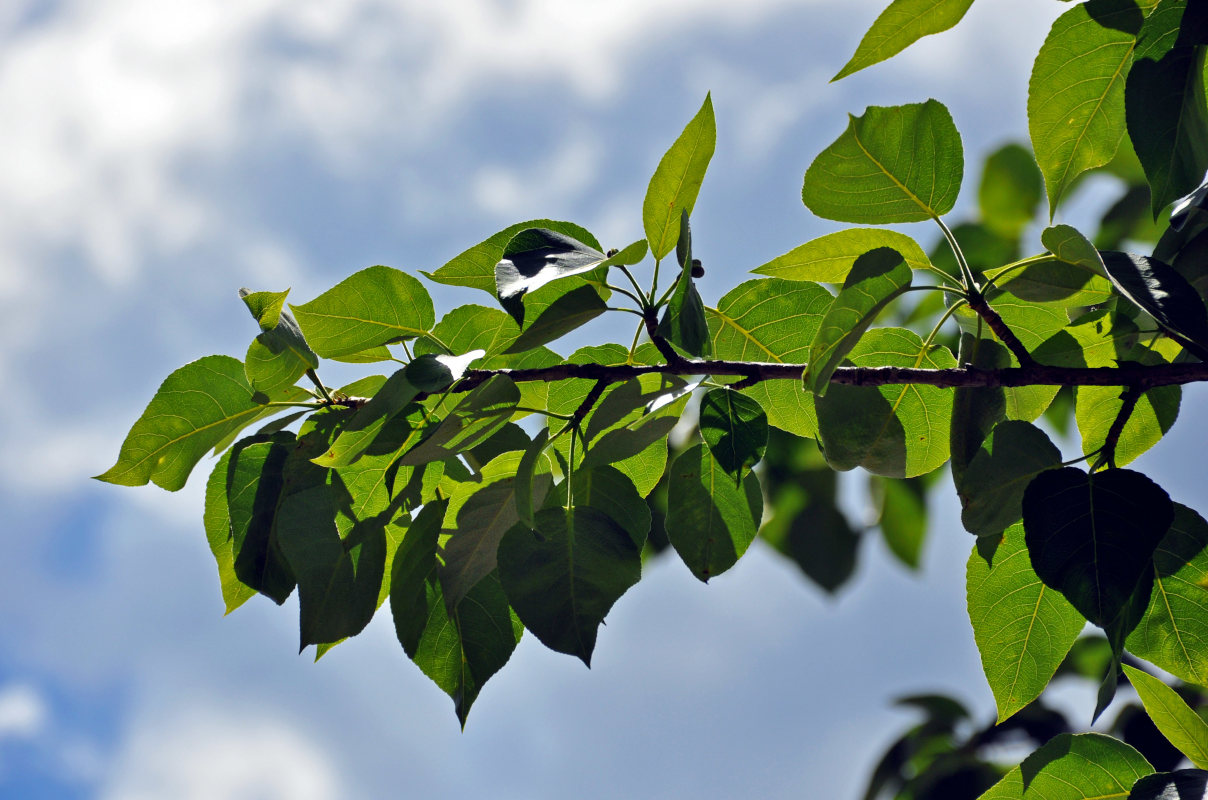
column 489, row 485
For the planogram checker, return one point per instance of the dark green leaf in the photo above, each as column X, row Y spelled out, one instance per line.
column 993, row 486
column 373, row 307
column 613, row 494
column 1076, row 92
column 476, row 266
column 711, row 517
column 1165, row 104
column 1185, row 729
column 648, row 393
column 975, row 411
column 896, row 164
column 895, row 431
column 1092, row 537
column 676, row 181
column 1173, row 633
column 809, row 529
column 828, row 259
column 525, row 474
column 1156, row 288
column 196, row 407
column 1183, row 784
column 902, row 506
column 683, row 323
column 735, row 429
column 901, row 25
column 563, row 577
column 1023, row 628
column 570, row 311
column 258, row 489
column 772, row 320
column 1010, row 190
column 876, row 278
column 411, row 574
column 218, row 533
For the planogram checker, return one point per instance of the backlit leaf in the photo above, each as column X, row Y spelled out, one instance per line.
column 474, row 418
column 1023, row 628
column 1185, row 729
column 1076, row 92
column 735, row 429
column 413, row 570
column 1088, row 766
column 683, row 323
column 993, row 486
column 476, row 266
column 676, row 181
column 570, row 311
column 896, row 164
column 899, row 26
column 218, row 533
column 372, row 307
column 829, row 258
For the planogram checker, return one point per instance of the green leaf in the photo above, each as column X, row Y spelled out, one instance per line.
column 474, row 419
column 1088, row 766
column 902, row 516
column 1010, row 190
column 372, row 307
column 258, row 488
column 683, row 323
column 876, row 278
column 895, row 431
column 622, row 443
column 1076, row 92
column 829, row 258
column 460, row 650
column 975, row 411
column 901, row 25
column 896, row 164
column 279, row 355
column 772, row 320
column 218, row 533
column 476, row 266
column 993, row 486
column 1098, row 338
column 1185, row 729
column 1096, row 409
column 374, row 355
column 734, row 428
column 1164, row 101
column 619, row 404
column 1159, row 290
column 412, row 573
column 525, row 474
column 676, row 181
column 196, row 407
column 611, row 492
column 570, row 311
column 1074, row 274
column 563, row 576
column 811, row 531
column 1183, row 784
column 711, row 517
column 1023, row 628
column 1173, row 633
column 470, row 554
column 265, row 306
column 1092, row 537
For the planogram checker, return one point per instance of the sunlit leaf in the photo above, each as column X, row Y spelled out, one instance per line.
column 993, row 485
column 1023, row 628
column 372, row 307
column 683, row 323
column 217, row 522
column 829, row 258
column 899, row 26
column 476, row 266
column 474, row 418
column 677, row 180
column 570, row 311
column 896, row 164
column 1185, row 729
column 1087, row 766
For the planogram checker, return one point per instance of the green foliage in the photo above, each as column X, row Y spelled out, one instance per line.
column 491, row 484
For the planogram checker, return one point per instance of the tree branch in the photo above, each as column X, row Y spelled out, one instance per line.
column 978, row 303
column 1144, row 377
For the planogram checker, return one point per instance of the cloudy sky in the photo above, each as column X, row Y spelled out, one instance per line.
column 156, row 156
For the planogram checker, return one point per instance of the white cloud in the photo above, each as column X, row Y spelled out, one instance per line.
column 214, row 753
column 23, row 712
column 520, row 192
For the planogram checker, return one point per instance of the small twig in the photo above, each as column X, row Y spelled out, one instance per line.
column 1128, row 402
column 652, row 324
column 978, row 303
column 314, row 377
column 588, row 402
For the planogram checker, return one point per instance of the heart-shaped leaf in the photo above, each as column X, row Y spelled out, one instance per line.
column 1092, row 537
column 373, row 307
column 896, row 164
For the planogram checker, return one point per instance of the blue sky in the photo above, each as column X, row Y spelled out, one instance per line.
column 157, row 156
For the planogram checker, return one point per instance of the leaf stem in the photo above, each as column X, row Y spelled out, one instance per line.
column 644, row 301
column 935, row 331
column 314, row 377
column 621, row 290
column 966, row 274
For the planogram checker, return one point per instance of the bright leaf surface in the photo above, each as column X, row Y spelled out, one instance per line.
column 896, row 164
column 1185, row 729
column 1076, row 93
column 712, row 518
column 772, row 320
column 677, row 180
column 475, row 267
column 829, row 258
column 875, row 279
column 369, row 308
column 1096, row 408
column 735, row 429
column 476, row 416
column 1091, row 537
column 1087, row 766
column 572, row 310
column 195, row 408
column 563, row 576
column 899, row 26
column 1173, row 633
column 217, row 520
column 1023, row 628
